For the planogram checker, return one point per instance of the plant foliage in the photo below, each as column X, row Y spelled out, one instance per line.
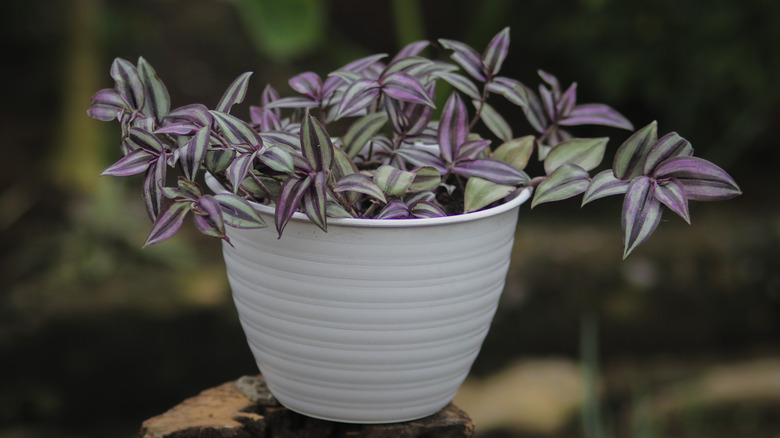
column 395, row 160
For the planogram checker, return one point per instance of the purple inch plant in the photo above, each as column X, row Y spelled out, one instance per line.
column 395, row 159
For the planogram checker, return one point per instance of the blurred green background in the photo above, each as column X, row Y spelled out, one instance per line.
column 681, row 340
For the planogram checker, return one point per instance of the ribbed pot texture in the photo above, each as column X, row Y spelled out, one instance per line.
column 375, row 321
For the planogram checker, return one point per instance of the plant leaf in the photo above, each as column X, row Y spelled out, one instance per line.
column 128, row 83
column 144, row 139
column 234, row 94
column 420, row 158
column 630, row 156
column 195, row 152
column 425, row 209
column 153, row 181
column 604, row 184
column 277, row 158
column 357, row 97
column 236, row 131
column 586, row 153
column 496, row 52
column 466, row 57
column 405, row 87
column 307, row 83
column 315, row 201
column 133, row 163
column 566, row 181
column 425, row 178
column 671, row 193
column 393, row 181
column 394, row 210
column 168, row 222
column 516, row 152
column 511, row 89
column 670, row 145
column 361, row 131
column 291, row 102
column 158, row 101
column 453, row 127
column 106, row 105
column 293, row 189
column 480, row 193
column 316, row 145
column 641, row 213
column 494, row 121
column 595, row 114
column 239, row 168
column 703, row 180
column 208, row 217
column 461, row 83
column 497, row 171
column 359, row 183
column 197, row 114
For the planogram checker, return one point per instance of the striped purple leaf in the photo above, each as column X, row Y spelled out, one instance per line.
column 631, row 155
column 293, row 189
column 641, row 213
column 495, row 53
column 234, row 94
column 511, row 89
column 490, row 169
column 308, row 84
column 671, row 193
column 237, row 212
column 357, row 96
column 239, row 168
column 566, row 181
column 195, row 114
column 316, row 145
column 461, row 83
column 152, row 192
column 361, row 131
column 426, row 209
column 595, row 114
column 359, row 183
column 315, row 200
column 453, row 127
column 670, row 145
column 106, row 105
column 702, row 180
column 604, row 184
column 157, row 102
column 466, row 57
column 236, row 131
column 394, row 210
column 168, row 222
column 195, row 152
column 133, row 163
column 128, row 83
column 208, row 217
column 277, row 158
column 405, row 87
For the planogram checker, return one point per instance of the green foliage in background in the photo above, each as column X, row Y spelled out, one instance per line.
column 283, row 30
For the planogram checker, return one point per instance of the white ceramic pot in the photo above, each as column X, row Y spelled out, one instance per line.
column 375, row 321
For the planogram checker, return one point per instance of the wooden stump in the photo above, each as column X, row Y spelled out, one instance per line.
column 245, row 408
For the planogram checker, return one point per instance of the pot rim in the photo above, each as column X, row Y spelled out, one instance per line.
column 515, row 201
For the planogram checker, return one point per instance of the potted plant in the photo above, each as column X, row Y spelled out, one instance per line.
column 369, row 298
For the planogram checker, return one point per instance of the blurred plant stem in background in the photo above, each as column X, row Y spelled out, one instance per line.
column 77, row 157
column 592, row 422
column 283, row 30
column 408, row 22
